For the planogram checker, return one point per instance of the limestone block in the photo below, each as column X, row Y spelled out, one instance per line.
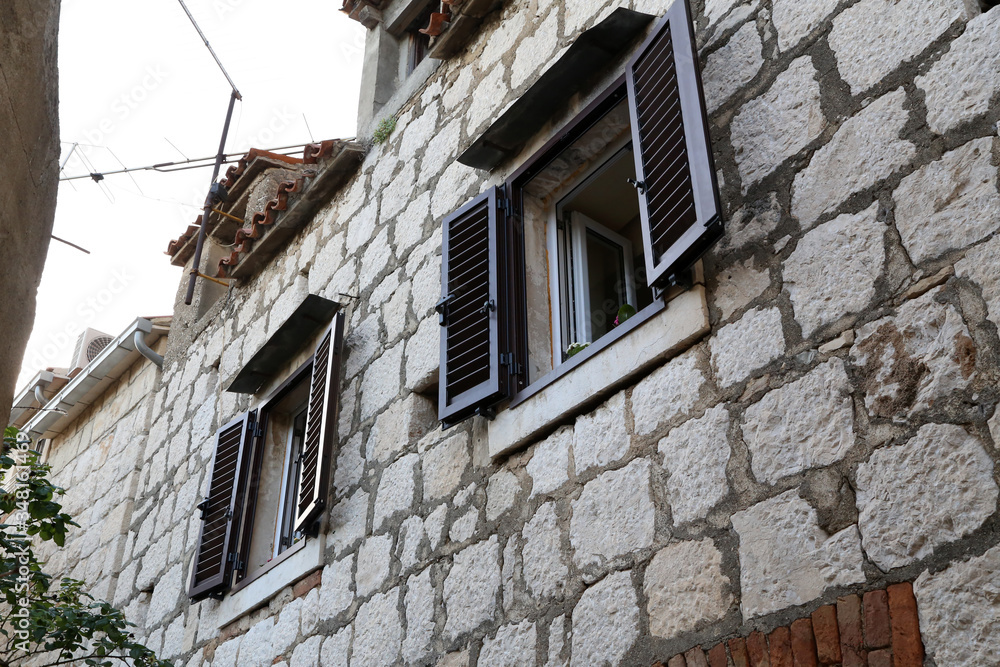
column 695, row 455
column 423, row 352
column 751, row 224
column 419, row 617
column 427, row 290
column 613, row 516
column 434, row 525
column 394, row 312
column 874, row 37
column 959, row 86
column 777, row 125
column 787, row 560
column 443, row 466
column 549, row 464
column 470, row 589
column 396, row 489
column 958, row 611
column 399, row 191
column 374, row 555
column 402, row 424
column 347, row 521
column 806, row 424
column 501, row 493
column 414, row 536
column 310, row 612
column 949, row 203
column 914, row 359
column 994, row 425
column 491, row 91
column 742, row 347
column 535, row 50
column 795, row 20
column 738, row 285
column 381, row 381
column 361, row 342
column 173, row 639
column 225, row 654
column 685, row 588
column 716, row 9
column 350, row 465
column 667, row 393
column 733, row 66
column 286, row 628
column 545, row 568
column 506, row 36
column 557, row 643
column 419, row 133
column 255, row 649
column 306, row 654
column 464, row 527
column 513, row 646
column 605, row 622
column 345, row 418
column 865, row 149
column 833, row 270
column 376, row 258
column 409, row 229
column 335, row 648
column 980, row 266
column 378, row 632
column 914, row 497
column 600, row 437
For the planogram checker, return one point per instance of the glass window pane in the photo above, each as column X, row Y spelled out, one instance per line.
column 606, row 275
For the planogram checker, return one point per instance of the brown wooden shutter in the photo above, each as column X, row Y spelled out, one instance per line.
column 321, row 427
column 679, row 196
column 213, row 566
column 472, row 309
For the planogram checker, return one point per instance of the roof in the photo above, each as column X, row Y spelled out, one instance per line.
column 260, row 187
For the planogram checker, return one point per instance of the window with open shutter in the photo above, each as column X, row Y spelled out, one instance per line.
column 220, row 510
column 679, row 202
column 472, row 309
column 321, row 427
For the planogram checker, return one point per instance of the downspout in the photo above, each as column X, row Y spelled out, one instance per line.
column 140, row 345
column 39, row 396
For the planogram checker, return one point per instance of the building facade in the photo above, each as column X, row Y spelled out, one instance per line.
column 789, row 449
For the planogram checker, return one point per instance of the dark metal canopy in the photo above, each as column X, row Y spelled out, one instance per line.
column 308, row 320
column 590, row 53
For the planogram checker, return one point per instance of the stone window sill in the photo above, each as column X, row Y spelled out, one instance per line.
column 668, row 332
column 263, row 588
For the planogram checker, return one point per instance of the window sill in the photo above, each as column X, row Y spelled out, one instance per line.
column 256, row 593
column 665, row 334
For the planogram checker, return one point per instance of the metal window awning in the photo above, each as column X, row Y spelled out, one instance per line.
column 593, row 51
column 309, row 318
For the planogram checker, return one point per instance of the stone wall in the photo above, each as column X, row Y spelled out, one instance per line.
column 835, row 432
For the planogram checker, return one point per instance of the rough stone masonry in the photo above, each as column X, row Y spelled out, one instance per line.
column 834, row 432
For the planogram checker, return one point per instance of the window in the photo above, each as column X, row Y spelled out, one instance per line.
column 270, row 476
column 610, row 213
column 419, row 39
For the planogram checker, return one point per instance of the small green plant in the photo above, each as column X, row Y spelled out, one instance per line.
column 625, row 312
column 385, row 127
column 574, row 348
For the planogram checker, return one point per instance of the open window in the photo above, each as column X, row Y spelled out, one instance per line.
column 583, row 241
column 270, row 475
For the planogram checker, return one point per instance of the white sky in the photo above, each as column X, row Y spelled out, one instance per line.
column 133, row 75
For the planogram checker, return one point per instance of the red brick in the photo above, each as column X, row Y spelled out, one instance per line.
column 907, row 648
column 695, row 657
column 881, row 658
column 658, row 664
column 717, row 656
column 827, row 637
column 779, row 644
column 757, row 649
column 307, row 584
column 738, row 652
column 849, row 624
column 803, row 644
column 877, row 630
column 677, row 661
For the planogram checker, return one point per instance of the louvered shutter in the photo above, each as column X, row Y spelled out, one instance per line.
column 212, row 568
column 679, row 197
column 470, row 311
column 321, row 427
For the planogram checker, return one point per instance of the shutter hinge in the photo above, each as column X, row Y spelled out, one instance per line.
column 503, row 203
column 201, row 507
column 258, row 430
column 442, row 309
column 488, row 306
column 507, row 359
column 638, row 185
column 229, row 514
column 489, row 412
